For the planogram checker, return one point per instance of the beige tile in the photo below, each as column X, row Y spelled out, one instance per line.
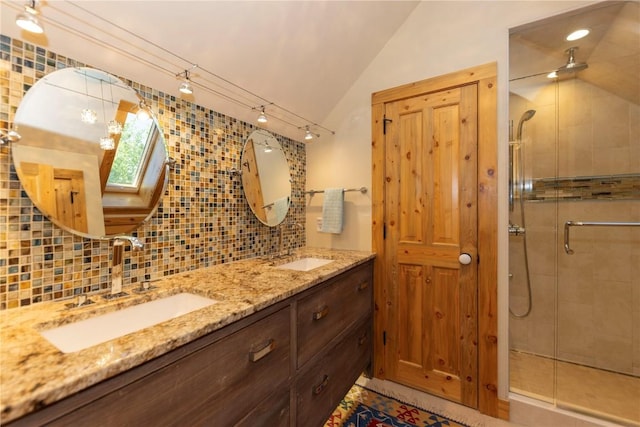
column 579, row 388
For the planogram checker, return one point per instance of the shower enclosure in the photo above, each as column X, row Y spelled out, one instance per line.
column 574, row 220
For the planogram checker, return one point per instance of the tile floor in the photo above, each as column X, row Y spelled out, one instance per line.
column 576, row 387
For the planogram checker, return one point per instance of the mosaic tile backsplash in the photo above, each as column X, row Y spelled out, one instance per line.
column 203, row 218
column 612, row 187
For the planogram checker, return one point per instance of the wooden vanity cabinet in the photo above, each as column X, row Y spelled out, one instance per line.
column 334, row 327
column 326, row 312
column 287, row 365
column 216, row 380
column 321, row 387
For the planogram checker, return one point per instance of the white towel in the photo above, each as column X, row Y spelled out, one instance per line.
column 280, row 208
column 332, row 210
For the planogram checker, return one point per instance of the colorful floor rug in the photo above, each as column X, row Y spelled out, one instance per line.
column 365, row 408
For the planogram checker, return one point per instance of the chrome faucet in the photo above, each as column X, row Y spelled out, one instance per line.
column 116, row 261
column 291, row 225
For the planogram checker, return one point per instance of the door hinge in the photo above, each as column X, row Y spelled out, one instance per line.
column 384, row 231
column 384, row 337
column 384, row 124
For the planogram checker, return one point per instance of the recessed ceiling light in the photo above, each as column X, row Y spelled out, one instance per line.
column 577, row 34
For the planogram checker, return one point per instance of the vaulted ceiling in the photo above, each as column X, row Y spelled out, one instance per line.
column 611, row 50
column 302, row 56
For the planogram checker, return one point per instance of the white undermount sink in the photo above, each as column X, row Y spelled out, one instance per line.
column 95, row 330
column 305, row 264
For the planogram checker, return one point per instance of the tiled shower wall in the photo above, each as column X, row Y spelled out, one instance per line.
column 586, row 306
column 203, row 218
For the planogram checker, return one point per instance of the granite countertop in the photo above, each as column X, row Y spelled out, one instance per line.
column 34, row 373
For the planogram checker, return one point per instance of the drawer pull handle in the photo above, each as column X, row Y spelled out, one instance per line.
column 362, row 286
column 322, row 313
column 254, row 356
column 320, row 387
column 362, row 339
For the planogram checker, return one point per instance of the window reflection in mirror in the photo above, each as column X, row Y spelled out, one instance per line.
column 132, row 154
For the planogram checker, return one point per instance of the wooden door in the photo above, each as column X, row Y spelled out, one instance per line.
column 71, row 205
column 432, row 330
column 431, row 219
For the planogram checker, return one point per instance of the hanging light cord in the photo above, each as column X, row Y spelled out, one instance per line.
column 217, row 76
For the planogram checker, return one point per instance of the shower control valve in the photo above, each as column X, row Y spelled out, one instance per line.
column 516, row 230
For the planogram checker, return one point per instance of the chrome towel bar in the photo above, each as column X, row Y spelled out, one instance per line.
column 363, row 190
column 569, row 224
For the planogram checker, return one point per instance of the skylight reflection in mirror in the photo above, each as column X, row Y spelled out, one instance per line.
column 136, row 142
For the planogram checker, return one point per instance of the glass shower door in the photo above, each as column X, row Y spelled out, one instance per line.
column 598, row 291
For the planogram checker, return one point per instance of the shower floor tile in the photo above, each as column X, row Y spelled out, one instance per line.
column 577, row 387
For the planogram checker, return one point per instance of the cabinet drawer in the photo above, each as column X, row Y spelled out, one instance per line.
column 271, row 412
column 238, row 372
column 327, row 380
column 326, row 313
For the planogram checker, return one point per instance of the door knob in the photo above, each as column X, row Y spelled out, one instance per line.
column 464, row 258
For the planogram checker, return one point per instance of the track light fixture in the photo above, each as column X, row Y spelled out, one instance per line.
column 210, row 82
column 185, row 86
column 308, row 135
column 262, row 118
column 28, row 20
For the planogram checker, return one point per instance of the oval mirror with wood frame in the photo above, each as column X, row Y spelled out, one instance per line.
column 266, row 180
column 92, row 158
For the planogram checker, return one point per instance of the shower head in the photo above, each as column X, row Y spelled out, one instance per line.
column 571, row 66
column 527, row 115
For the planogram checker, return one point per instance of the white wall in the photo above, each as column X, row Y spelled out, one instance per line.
column 439, row 37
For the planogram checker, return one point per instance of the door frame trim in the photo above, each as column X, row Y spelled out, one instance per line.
column 485, row 76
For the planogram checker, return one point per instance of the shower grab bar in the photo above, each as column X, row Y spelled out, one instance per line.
column 569, row 224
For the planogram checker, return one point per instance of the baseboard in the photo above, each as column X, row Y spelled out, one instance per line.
column 503, row 409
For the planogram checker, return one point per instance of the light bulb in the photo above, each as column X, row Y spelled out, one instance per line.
column 186, row 88
column 308, row 135
column 114, row 127
column 262, row 118
column 28, row 21
column 578, row 34
column 88, row 116
column 107, row 143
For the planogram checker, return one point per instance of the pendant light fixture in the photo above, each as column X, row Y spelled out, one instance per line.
column 106, row 142
column 113, row 127
column 88, row 115
column 28, row 20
